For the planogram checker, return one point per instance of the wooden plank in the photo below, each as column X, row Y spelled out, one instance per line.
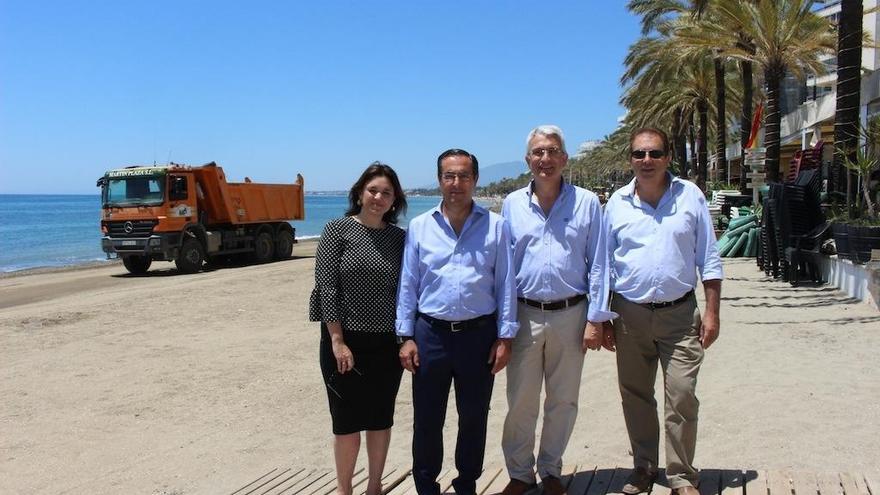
column 778, row 483
column 849, row 484
column 319, row 485
column 267, row 481
column 601, row 480
column 829, row 484
column 445, row 480
column 861, row 486
column 581, row 479
column 497, row 484
column 286, row 482
column 487, row 478
column 872, row 479
column 755, row 483
column 619, row 479
column 249, row 486
column 567, row 474
column 406, row 487
column 358, row 482
column 393, row 477
column 732, row 482
column 804, row 483
column 308, row 478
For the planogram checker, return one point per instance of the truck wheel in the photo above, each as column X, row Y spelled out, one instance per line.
column 263, row 247
column 283, row 245
column 190, row 258
column 137, row 265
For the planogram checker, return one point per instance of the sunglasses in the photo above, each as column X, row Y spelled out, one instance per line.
column 639, row 154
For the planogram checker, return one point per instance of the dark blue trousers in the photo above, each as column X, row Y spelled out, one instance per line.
column 446, row 356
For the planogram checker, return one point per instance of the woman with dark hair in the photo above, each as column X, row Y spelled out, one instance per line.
column 357, row 267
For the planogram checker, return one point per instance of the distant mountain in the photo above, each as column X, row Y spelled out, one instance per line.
column 494, row 173
column 497, row 171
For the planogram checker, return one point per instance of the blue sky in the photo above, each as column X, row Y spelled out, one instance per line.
column 272, row 89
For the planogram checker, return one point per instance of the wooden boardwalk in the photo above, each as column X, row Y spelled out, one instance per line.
column 579, row 480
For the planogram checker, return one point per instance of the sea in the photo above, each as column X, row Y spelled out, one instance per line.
column 58, row 230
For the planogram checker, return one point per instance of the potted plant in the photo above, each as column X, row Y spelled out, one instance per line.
column 862, row 227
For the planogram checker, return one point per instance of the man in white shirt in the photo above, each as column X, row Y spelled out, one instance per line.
column 659, row 235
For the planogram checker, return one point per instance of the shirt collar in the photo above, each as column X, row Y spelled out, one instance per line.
column 630, row 189
column 564, row 188
column 476, row 210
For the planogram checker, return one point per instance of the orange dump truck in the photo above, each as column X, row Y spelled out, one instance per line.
column 192, row 215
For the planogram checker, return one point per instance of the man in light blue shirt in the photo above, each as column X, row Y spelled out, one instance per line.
column 560, row 259
column 660, row 236
column 456, row 315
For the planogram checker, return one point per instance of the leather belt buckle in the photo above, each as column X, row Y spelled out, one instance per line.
column 456, row 326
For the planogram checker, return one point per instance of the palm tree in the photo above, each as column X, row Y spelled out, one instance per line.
column 849, row 65
column 786, row 37
column 656, row 12
column 661, row 81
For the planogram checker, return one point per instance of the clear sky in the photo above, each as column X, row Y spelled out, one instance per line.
column 272, row 89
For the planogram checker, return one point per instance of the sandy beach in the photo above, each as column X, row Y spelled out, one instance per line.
column 190, row 384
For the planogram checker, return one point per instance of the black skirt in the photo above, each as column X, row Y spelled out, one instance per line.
column 362, row 398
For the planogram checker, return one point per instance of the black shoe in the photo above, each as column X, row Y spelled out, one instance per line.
column 639, row 481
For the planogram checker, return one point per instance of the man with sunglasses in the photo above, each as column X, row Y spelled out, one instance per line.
column 456, row 315
column 659, row 237
column 560, row 259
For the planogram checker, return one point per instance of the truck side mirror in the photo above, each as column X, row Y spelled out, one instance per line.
column 178, row 188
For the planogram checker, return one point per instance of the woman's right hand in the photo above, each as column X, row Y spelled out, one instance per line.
column 343, row 355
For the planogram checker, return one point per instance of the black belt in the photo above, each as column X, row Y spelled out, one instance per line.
column 668, row 304
column 554, row 305
column 456, row 326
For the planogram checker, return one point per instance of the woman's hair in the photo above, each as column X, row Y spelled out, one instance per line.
column 378, row 169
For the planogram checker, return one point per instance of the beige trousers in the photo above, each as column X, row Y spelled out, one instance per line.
column 670, row 336
column 547, row 349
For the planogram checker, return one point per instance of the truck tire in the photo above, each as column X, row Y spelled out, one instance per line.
column 283, row 245
column 191, row 256
column 137, row 265
column 263, row 247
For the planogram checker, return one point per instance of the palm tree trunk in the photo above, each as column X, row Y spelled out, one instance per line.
column 720, row 121
column 745, row 121
column 678, row 139
column 772, row 76
column 692, row 143
column 702, row 138
column 849, row 63
column 676, row 129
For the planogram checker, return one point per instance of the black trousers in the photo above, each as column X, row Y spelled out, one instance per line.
column 445, row 357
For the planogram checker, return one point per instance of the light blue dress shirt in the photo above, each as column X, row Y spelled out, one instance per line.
column 656, row 253
column 563, row 254
column 457, row 277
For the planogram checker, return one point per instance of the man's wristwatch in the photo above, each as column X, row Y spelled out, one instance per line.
column 402, row 339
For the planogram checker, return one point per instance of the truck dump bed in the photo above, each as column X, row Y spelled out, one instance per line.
column 248, row 202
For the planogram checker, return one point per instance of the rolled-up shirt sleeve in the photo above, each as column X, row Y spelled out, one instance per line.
column 408, row 288
column 325, row 304
column 707, row 259
column 505, row 283
column 597, row 260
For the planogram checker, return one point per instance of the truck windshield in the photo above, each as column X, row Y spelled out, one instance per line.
column 134, row 191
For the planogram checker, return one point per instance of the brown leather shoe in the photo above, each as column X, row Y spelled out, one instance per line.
column 640, row 481
column 553, row 486
column 685, row 490
column 517, row 487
